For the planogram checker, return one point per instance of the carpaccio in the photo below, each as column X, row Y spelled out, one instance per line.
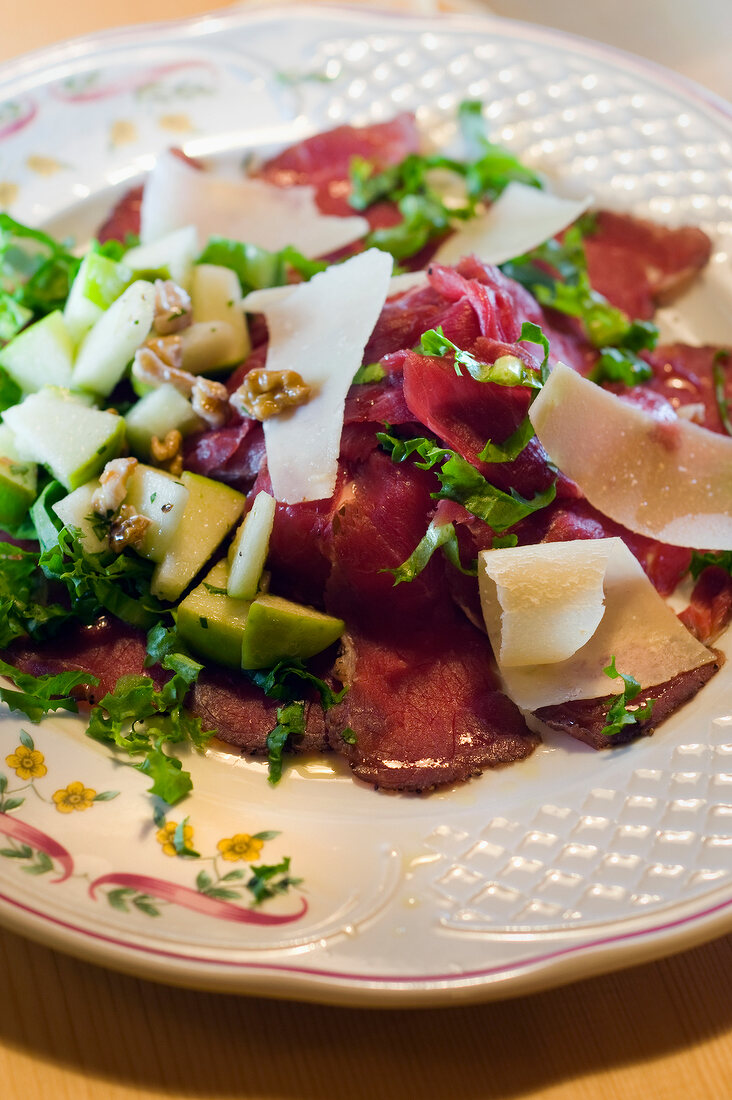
column 424, row 698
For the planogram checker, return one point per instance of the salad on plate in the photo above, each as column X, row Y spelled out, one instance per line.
column 373, row 451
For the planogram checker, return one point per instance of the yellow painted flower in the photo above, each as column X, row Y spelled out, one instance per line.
column 165, row 836
column 241, row 846
column 122, row 132
column 180, row 124
column 9, row 192
column 74, row 797
column 28, row 763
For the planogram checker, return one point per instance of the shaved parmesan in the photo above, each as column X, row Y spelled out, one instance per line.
column 257, row 301
column 518, row 594
column 248, row 210
column 320, row 330
column 520, row 219
column 669, row 480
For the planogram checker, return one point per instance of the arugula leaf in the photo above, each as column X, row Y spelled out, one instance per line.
column 618, row 716
column 491, row 167
column 268, row 881
column 620, row 365
column 290, row 723
column 500, row 542
column 437, row 536
column 699, row 561
column 349, row 736
column 511, row 447
column 24, row 607
column 369, row 372
column 509, row 370
column 533, row 334
column 37, row 696
column 170, row 782
column 256, row 267
column 288, row 679
column 36, row 273
column 461, row 482
column 721, row 359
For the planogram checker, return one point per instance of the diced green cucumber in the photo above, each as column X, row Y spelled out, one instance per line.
column 40, row 355
column 114, row 339
column 277, row 629
column 73, row 441
column 211, row 622
column 211, row 512
column 170, row 257
column 99, row 281
column 160, row 411
column 159, row 496
column 76, row 510
column 216, row 297
column 248, row 551
column 18, row 481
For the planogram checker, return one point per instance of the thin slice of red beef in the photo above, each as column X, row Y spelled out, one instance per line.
column 684, row 375
column 124, row 220
column 424, row 706
column 710, row 607
column 108, row 649
column 637, row 264
column 243, row 716
column 584, row 719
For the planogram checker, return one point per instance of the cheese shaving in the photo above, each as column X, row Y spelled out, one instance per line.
column 520, row 219
column 248, row 210
column 634, row 624
column 320, row 330
column 669, row 480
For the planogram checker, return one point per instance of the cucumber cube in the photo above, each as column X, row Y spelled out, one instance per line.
column 73, row 441
column 40, row 355
column 211, row 622
column 114, row 339
column 18, row 481
column 160, row 411
column 249, row 549
column 211, row 512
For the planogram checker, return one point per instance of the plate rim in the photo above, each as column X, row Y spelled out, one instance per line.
column 590, row 957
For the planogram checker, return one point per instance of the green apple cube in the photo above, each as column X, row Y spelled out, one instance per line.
column 249, row 549
column 170, row 257
column 162, row 499
column 277, row 629
column 211, row 622
column 76, row 510
column 211, row 512
column 158, row 412
column 18, row 481
column 108, row 347
column 73, row 441
column 206, row 346
column 216, row 297
column 99, row 281
column 40, row 355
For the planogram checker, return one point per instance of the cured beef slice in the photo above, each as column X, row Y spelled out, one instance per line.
column 424, row 706
column 584, row 719
column 684, row 375
column 637, row 264
column 710, row 608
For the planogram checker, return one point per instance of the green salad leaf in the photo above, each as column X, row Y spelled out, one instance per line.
column 618, row 715
column 438, row 536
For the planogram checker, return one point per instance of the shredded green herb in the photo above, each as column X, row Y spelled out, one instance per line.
column 619, row 715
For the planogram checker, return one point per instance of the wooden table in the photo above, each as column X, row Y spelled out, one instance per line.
column 71, row 1030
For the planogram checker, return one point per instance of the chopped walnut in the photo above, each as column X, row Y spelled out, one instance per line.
column 112, row 485
column 211, row 401
column 167, row 453
column 169, row 349
column 128, row 529
column 173, row 310
column 265, row 393
column 148, row 367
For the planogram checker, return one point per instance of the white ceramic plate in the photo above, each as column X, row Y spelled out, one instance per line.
column 567, row 865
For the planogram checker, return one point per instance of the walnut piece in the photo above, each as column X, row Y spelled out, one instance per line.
column 211, row 401
column 265, row 393
column 112, row 485
column 128, row 529
column 150, row 368
column 167, row 453
column 169, row 349
column 173, row 310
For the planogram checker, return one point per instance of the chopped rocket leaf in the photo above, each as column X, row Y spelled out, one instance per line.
column 289, row 678
column 369, row 372
column 462, row 483
column 36, row 696
column 620, row 365
column 25, row 610
column 349, row 736
column 618, row 715
column 290, row 723
column 533, row 334
column 501, row 542
column 700, row 560
column 255, row 267
column 437, row 536
column 36, row 273
column 511, row 447
column 268, row 881
column 509, row 370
